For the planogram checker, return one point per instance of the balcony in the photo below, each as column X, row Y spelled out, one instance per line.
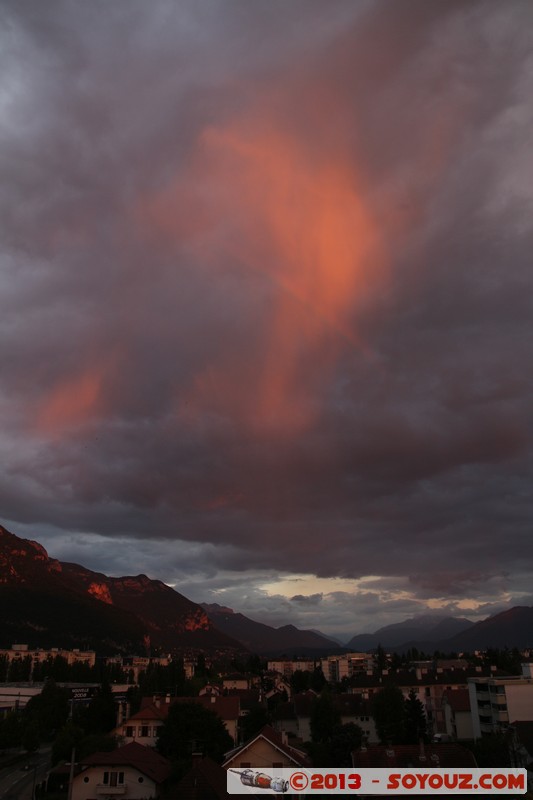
column 499, row 700
column 486, row 727
column 111, row 791
column 500, row 716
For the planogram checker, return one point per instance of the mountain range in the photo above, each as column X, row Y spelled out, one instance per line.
column 426, row 627
column 49, row 603
column 511, row 628
column 265, row 640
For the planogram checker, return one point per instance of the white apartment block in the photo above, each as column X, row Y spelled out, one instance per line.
column 287, row 668
column 498, row 702
column 18, row 652
column 335, row 668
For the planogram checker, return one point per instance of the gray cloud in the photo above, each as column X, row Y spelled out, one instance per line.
column 171, row 375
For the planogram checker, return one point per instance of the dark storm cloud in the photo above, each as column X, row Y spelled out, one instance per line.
column 169, row 370
column 308, row 600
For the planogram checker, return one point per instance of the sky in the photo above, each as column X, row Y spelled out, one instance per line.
column 266, row 300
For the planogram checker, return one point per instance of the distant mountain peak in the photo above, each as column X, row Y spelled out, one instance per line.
column 265, row 639
column 216, row 608
column 430, row 627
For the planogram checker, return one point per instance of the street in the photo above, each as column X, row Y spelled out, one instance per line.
column 17, row 783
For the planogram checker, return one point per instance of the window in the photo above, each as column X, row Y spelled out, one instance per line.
column 145, row 730
column 130, row 731
column 113, row 778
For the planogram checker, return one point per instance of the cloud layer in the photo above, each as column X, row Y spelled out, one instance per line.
column 266, row 297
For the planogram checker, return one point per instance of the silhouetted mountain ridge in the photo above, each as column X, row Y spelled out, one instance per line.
column 46, row 603
column 429, row 627
column 510, row 628
column 266, row 640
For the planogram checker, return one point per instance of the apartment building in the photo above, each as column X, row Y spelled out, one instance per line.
column 497, row 702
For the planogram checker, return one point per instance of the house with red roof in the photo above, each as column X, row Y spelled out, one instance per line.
column 457, row 714
column 294, row 717
column 268, row 748
column 450, row 756
column 131, row 771
column 143, row 726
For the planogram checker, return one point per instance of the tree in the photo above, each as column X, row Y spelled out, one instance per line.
column 253, row 722
column 72, row 736
column 68, row 737
column 200, row 670
column 317, row 681
column 10, row 730
column 300, row 680
column 100, row 716
column 20, row 669
column 388, row 710
column 381, row 659
column 48, row 709
column 30, row 737
column 344, row 740
column 175, row 677
column 255, row 665
column 189, row 728
column 95, row 743
column 134, row 697
column 324, row 716
column 415, row 719
column 491, row 751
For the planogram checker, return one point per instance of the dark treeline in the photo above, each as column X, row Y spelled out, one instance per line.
column 58, row 669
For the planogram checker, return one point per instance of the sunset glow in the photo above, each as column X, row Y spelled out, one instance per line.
column 266, row 299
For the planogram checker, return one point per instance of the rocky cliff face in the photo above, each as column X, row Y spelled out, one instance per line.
column 50, row 603
column 23, row 560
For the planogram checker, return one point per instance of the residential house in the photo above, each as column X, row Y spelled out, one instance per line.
column 132, row 771
column 143, row 726
column 267, row 749
column 444, row 756
column 294, row 717
column 209, row 689
column 457, row 714
column 237, row 681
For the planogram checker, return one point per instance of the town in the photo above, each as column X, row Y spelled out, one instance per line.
column 164, row 726
column 267, row 400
